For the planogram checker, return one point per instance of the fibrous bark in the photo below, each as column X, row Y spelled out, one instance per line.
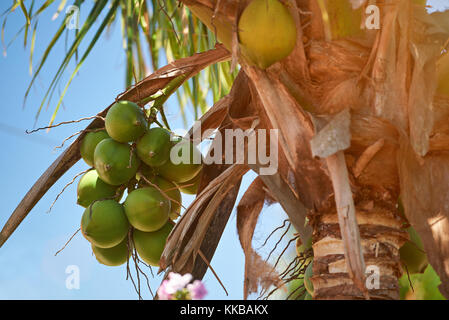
column 381, row 237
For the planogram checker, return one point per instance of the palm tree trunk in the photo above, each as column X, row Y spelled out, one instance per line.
column 381, row 233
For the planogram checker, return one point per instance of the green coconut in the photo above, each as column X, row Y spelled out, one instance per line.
column 153, row 147
column 184, row 163
column 412, row 253
column 104, row 223
column 191, row 186
column 294, row 289
column 308, row 274
column 148, row 172
column 173, row 193
column 150, row 245
column 92, row 188
column 112, row 161
column 115, row 256
column 301, row 248
column 147, row 209
column 125, row 121
column 89, row 143
column 267, row 32
column 171, row 190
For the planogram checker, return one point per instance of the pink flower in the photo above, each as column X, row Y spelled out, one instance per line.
column 178, row 287
column 162, row 291
column 197, row 290
column 177, row 282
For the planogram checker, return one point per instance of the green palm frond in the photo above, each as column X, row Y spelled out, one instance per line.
column 154, row 32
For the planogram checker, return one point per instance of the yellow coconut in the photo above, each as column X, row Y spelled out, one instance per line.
column 267, row 32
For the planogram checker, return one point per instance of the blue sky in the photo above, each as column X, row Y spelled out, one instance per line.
column 29, row 269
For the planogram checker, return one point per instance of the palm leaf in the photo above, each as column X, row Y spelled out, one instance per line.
column 28, row 21
column 60, row 7
column 91, row 45
column 46, row 53
column 150, row 29
column 43, row 7
column 95, row 12
column 3, row 36
column 33, row 41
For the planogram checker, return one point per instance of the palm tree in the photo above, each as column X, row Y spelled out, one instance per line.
column 362, row 116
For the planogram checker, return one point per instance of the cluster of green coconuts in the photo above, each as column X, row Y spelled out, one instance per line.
column 130, row 155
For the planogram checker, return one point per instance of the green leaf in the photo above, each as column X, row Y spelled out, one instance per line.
column 46, row 53
column 43, row 7
column 58, row 11
column 96, row 10
column 168, row 28
column 15, row 6
column 33, row 41
column 86, row 53
column 25, row 12
column 3, row 36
